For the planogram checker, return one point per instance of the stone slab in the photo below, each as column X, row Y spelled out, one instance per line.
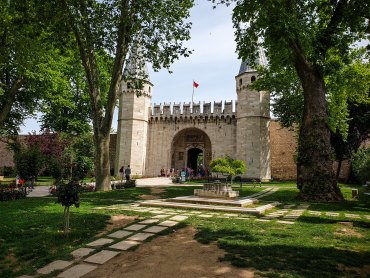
column 179, row 217
column 285, row 222
column 81, row 252
column 124, row 245
column 155, row 229
column 101, row 257
column 149, row 221
column 263, row 220
column 77, row 271
column 332, row 214
column 100, row 242
column 135, row 227
column 168, row 223
column 160, row 216
column 231, row 214
column 56, row 265
column 120, row 234
column 140, row 236
column 205, row 215
column 351, row 215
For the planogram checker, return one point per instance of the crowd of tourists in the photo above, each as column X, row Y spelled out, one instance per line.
column 200, row 172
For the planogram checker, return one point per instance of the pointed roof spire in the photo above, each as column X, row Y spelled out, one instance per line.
column 136, row 67
column 260, row 61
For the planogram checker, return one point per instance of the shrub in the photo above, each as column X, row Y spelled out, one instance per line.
column 11, row 191
column 361, row 164
column 68, row 195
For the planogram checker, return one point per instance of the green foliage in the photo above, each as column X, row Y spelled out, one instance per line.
column 361, row 164
column 68, row 194
column 29, row 162
column 30, row 60
column 78, row 157
column 228, row 166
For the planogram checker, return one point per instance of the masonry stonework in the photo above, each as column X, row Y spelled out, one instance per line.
column 175, row 136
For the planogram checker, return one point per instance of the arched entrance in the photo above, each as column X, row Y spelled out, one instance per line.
column 191, row 148
column 195, row 158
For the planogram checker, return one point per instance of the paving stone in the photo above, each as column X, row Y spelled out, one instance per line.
column 77, row 271
column 155, row 229
column 56, row 265
column 149, row 221
column 135, row 227
column 100, row 242
column 120, row 234
column 140, row 236
column 124, row 245
column 101, row 257
column 288, row 206
column 262, row 220
column 160, row 216
column 81, row 252
column 168, row 223
column 367, row 217
column 351, row 215
column 313, row 212
column 332, row 214
column 205, row 215
column 157, row 211
column 285, row 222
column 179, row 218
column 231, row 214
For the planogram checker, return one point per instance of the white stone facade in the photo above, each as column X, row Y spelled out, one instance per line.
column 154, row 137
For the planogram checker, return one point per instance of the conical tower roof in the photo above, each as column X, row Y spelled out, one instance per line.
column 136, row 67
column 246, row 65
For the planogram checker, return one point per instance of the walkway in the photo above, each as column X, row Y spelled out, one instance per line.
column 149, row 182
column 39, row 191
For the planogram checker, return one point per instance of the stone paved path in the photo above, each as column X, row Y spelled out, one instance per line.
column 39, row 191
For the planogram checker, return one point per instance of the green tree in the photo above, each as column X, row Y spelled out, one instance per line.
column 304, row 37
column 361, row 164
column 104, row 32
column 228, row 166
column 29, row 60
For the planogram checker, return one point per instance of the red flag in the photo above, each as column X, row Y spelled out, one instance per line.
column 195, row 84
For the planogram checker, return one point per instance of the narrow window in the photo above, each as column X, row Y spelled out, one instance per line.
column 240, row 82
column 253, row 78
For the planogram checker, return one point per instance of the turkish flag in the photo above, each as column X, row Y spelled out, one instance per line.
column 195, row 84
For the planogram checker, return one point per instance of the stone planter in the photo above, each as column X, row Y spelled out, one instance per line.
column 216, row 190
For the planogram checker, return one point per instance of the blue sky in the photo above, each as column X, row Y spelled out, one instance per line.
column 213, row 64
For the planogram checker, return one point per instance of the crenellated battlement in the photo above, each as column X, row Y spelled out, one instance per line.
column 222, row 108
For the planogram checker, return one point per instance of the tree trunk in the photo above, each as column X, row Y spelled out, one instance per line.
column 339, row 167
column 315, row 175
column 102, row 163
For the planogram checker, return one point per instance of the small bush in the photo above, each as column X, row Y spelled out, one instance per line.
column 130, row 183
column 11, row 191
column 361, row 164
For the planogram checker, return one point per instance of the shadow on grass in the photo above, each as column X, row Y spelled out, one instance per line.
column 31, row 233
column 176, row 191
column 271, row 259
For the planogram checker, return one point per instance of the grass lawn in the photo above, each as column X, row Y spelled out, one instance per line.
column 315, row 246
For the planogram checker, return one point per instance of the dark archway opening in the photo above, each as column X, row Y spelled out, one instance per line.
column 193, row 158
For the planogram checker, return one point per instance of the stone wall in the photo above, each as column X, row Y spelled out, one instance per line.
column 283, row 149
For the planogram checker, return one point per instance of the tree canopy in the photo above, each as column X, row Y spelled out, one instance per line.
column 104, row 32
column 306, row 41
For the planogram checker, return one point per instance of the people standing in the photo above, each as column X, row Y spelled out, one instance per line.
column 122, row 172
column 128, row 172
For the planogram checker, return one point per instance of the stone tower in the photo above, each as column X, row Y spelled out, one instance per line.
column 253, row 123
column 133, row 116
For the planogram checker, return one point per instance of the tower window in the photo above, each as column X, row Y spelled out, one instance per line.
column 150, row 90
column 240, row 82
column 253, row 78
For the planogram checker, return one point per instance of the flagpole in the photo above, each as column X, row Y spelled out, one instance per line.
column 192, row 96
